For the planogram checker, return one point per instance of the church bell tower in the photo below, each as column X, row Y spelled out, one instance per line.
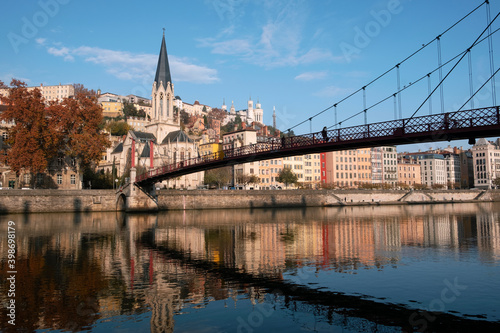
column 162, row 98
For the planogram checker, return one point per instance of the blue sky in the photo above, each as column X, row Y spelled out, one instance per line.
column 299, row 56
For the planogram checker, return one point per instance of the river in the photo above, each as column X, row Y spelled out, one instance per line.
column 349, row 269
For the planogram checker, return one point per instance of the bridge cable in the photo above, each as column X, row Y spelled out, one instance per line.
column 364, row 105
column 471, row 83
column 415, row 82
column 395, row 107
column 441, row 91
column 389, row 70
column 470, row 98
column 490, row 49
column 335, row 105
column 459, row 60
column 399, row 95
column 429, row 90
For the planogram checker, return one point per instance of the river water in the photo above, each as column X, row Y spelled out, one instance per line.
column 349, row 269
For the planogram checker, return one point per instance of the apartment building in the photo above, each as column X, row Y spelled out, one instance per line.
column 486, row 163
column 112, row 109
column 312, row 171
column 409, row 172
column 238, row 139
column 268, row 172
column 50, row 93
column 433, row 169
column 296, row 164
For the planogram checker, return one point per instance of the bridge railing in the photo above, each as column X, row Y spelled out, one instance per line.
column 444, row 122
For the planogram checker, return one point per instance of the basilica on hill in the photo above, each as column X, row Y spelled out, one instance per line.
column 162, row 139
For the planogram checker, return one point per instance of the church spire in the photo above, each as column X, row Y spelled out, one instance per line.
column 163, row 69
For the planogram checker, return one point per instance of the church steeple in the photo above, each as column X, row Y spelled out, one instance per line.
column 163, row 69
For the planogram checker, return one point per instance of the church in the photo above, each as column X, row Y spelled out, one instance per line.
column 162, row 142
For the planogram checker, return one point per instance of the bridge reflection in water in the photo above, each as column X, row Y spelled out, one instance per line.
column 352, row 268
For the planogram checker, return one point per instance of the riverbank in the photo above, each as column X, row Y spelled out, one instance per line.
column 45, row 201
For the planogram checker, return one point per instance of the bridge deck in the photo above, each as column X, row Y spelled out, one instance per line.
column 468, row 124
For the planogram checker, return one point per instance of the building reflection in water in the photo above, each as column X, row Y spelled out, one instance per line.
column 73, row 274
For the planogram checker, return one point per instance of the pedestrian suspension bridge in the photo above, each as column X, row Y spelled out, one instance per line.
column 466, row 122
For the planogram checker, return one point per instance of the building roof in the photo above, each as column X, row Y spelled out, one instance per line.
column 142, row 136
column 118, row 148
column 482, row 142
column 145, row 151
column 163, row 69
column 177, row 136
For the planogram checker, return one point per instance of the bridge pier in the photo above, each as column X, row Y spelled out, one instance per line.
column 133, row 198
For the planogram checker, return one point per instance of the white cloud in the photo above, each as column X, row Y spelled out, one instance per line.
column 240, row 47
column 309, row 76
column 332, row 91
column 279, row 42
column 131, row 66
column 6, row 78
column 58, row 52
column 40, row 41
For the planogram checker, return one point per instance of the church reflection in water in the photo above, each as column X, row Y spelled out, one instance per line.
column 74, row 271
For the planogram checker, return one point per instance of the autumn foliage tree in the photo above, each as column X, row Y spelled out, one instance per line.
column 33, row 141
column 77, row 122
column 43, row 132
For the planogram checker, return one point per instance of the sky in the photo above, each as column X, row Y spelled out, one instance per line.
column 298, row 56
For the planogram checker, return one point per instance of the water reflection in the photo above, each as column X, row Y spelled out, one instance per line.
column 218, row 268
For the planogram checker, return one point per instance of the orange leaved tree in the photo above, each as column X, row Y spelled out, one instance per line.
column 44, row 131
column 33, row 142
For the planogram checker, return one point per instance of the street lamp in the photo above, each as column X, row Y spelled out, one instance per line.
column 116, row 182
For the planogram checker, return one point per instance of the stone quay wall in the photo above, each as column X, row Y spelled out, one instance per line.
column 45, row 201
column 224, row 199
column 49, row 201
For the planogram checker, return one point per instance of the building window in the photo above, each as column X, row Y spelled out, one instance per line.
column 59, row 179
column 73, row 179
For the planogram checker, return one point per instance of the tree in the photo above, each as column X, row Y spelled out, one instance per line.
column 33, row 141
column 129, row 110
column 80, row 89
column 59, row 129
column 229, row 127
column 496, row 182
column 247, row 179
column 218, row 177
column 77, row 121
column 184, row 117
column 118, row 128
column 217, row 113
column 286, row 176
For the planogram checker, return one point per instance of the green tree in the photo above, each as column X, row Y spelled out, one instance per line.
column 129, row 110
column 184, row 117
column 218, row 177
column 247, row 179
column 286, row 176
column 229, row 127
column 118, row 128
column 496, row 182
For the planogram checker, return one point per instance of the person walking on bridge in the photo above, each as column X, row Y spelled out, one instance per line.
column 325, row 134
